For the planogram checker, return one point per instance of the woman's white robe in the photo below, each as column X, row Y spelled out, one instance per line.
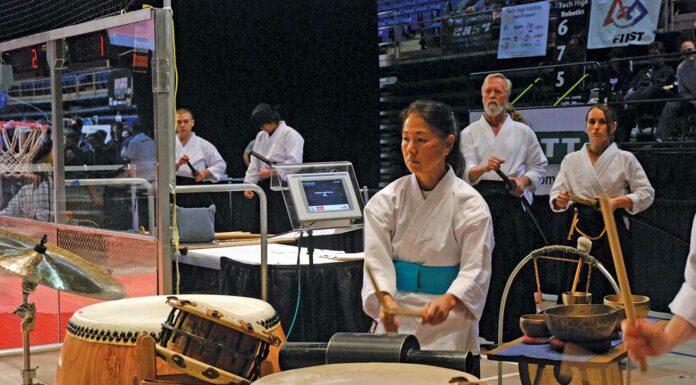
column 615, row 173
column 451, row 226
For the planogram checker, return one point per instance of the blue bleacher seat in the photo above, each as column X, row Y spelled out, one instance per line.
column 385, row 35
column 398, row 33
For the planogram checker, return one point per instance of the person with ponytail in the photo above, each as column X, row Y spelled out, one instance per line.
column 600, row 167
column 492, row 145
column 428, row 240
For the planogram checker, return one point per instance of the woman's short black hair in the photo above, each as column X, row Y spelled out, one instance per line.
column 264, row 113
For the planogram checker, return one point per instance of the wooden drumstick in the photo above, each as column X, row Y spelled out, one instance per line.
column 577, row 275
column 405, row 311
column 584, row 201
column 619, row 265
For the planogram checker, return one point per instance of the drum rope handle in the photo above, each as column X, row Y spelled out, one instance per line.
column 222, row 319
column 203, row 341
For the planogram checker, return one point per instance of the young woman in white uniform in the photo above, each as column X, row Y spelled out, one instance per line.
column 600, row 167
column 428, row 239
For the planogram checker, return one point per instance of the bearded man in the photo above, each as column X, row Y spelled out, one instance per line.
column 497, row 142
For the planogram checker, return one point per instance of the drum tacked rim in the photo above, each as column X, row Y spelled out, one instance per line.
column 224, row 318
column 106, row 336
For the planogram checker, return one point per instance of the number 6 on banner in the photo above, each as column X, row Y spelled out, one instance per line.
column 563, row 27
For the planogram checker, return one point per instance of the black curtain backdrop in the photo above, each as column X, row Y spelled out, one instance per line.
column 317, row 59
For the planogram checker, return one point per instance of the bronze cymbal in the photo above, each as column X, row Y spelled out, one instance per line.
column 56, row 268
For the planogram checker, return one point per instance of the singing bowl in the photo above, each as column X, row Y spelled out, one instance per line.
column 534, row 325
column 640, row 302
column 582, row 323
column 576, row 297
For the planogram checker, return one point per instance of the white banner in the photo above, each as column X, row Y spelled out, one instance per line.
column 560, row 130
column 618, row 23
column 524, row 30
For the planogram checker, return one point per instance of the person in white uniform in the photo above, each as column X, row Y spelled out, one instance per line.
column 201, row 154
column 648, row 339
column 428, row 240
column 280, row 144
column 497, row 142
column 600, row 167
column 197, row 160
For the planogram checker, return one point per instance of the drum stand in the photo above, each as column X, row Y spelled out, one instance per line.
column 27, row 312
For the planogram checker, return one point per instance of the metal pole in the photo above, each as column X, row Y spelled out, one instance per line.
column 27, row 373
column 263, row 219
column 163, row 90
column 529, row 87
column 27, row 312
column 571, row 89
column 55, row 54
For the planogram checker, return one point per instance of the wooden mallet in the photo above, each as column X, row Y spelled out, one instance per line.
column 617, row 255
column 584, row 201
column 584, row 245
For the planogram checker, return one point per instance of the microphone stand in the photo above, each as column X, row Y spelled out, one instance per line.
column 510, row 186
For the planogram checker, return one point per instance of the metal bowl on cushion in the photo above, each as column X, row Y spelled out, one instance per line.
column 534, row 325
column 582, row 323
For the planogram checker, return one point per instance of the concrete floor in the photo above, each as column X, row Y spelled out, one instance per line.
column 676, row 368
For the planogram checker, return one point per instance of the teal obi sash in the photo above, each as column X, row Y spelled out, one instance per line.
column 424, row 279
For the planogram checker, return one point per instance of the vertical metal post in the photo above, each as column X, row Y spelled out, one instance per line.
column 55, row 52
column 163, row 93
column 263, row 220
column 263, row 212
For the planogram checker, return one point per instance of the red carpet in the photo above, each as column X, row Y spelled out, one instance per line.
column 45, row 331
column 53, row 309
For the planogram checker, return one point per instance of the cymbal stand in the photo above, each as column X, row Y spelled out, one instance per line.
column 27, row 312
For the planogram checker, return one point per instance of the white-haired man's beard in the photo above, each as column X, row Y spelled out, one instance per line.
column 493, row 108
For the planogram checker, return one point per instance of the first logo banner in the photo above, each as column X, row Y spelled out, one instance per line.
column 618, row 23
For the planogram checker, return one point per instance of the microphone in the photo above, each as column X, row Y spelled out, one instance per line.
column 262, row 158
column 510, row 185
column 194, row 172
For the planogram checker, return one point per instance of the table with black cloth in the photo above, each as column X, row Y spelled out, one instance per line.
column 330, row 289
